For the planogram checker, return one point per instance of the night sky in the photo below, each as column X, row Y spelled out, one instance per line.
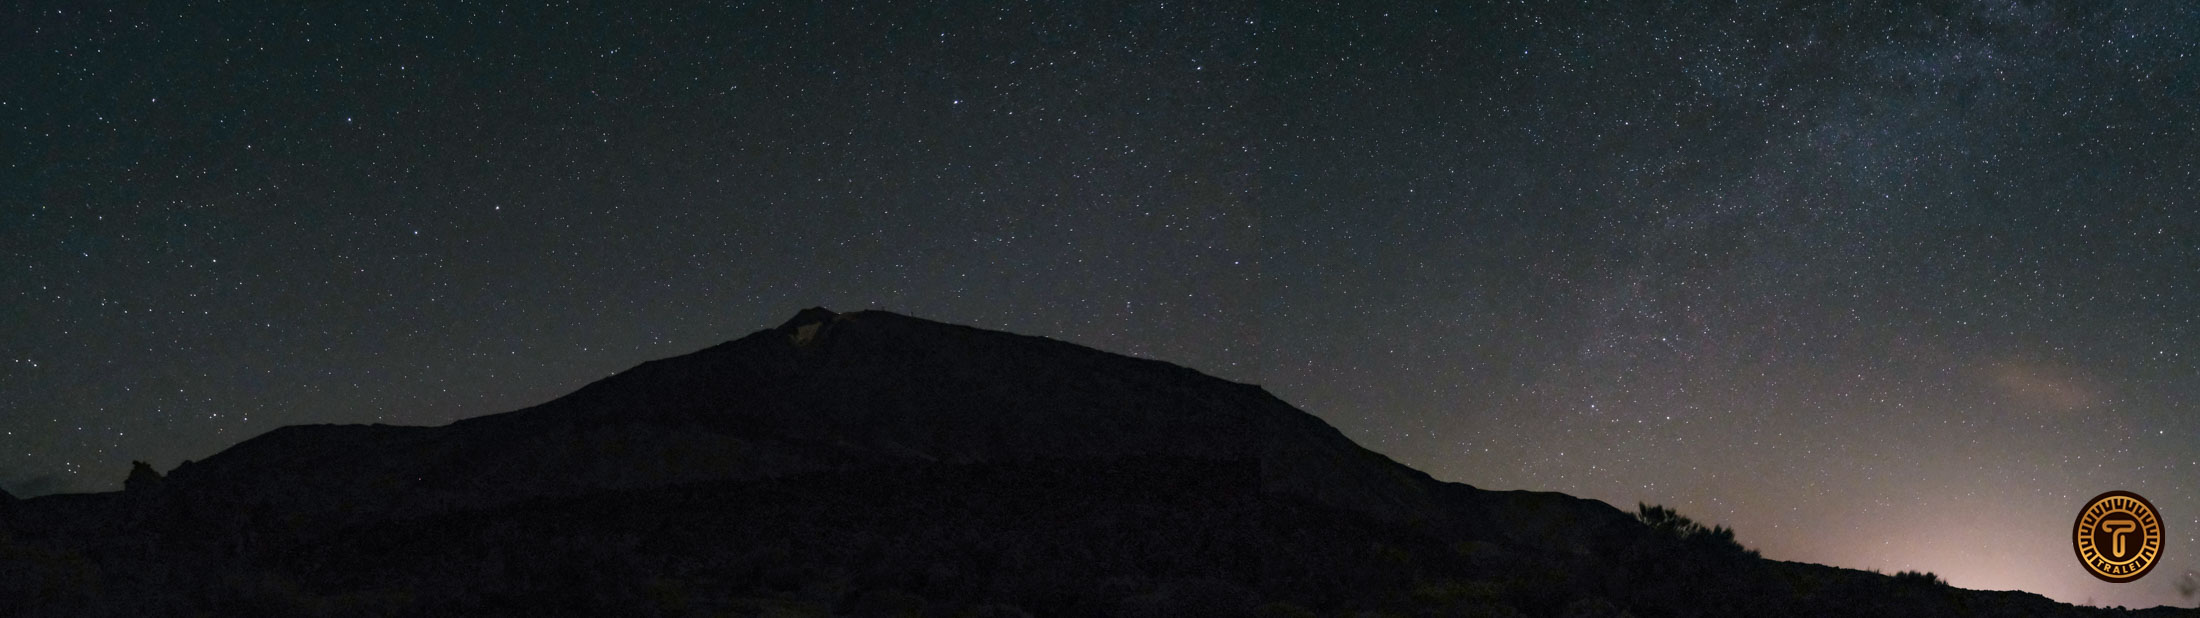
column 1880, row 286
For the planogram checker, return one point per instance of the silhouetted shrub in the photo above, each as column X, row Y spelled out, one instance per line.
column 1919, row 577
column 1672, row 524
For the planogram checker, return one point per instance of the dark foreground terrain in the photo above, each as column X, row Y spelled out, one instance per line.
column 872, row 464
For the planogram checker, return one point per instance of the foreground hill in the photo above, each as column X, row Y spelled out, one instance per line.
column 874, row 464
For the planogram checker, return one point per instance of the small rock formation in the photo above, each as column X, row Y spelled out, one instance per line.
column 142, row 478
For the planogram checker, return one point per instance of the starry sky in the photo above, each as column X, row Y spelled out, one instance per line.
column 1881, row 285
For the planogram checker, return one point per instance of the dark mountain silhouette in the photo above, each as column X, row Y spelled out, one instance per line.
column 873, row 464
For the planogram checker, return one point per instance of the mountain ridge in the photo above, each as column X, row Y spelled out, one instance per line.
column 840, row 463
column 1301, row 452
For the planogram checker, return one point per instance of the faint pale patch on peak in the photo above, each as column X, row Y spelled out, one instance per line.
column 806, row 325
column 812, row 323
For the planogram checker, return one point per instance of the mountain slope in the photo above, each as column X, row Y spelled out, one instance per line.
column 823, row 392
column 876, row 464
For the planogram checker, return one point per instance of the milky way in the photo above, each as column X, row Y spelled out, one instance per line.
column 1881, row 286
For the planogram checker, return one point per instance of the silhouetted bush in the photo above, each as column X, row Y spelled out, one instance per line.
column 1672, row 524
column 1919, row 577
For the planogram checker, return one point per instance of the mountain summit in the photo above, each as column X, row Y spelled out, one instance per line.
column 830, row 392
column 871, row 463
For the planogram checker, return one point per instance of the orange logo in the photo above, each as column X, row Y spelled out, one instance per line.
column 2118, row 536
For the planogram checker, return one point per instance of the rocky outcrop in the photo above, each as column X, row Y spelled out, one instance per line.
column 142, row 478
